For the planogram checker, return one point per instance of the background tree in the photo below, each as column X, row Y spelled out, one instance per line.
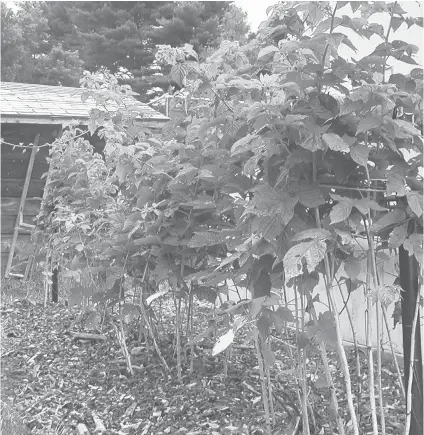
column 29, row 55
column 52, row 42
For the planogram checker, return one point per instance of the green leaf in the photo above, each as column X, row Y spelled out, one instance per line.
column 148, row 240
column 415, row 201
column 414, row 245
column 352, row 267
column 223, row 342
column 399, row 80
column 179, row 73
column 335, row 142
column 307, row 282
column 143, row 195
column 92, row 126
column 310, row 253
column 255, row 306
column 326, row 329
column 75, row 263
column 313, row 233
column 369, row 123
column 391, row 218
column 246, row 143
column 311, row 196
column 395, row 184
column 302, row 340
column 364, row 205
column 274, row 299
column 75, row 296
column 313, row 143
column 262, row 285
column 398, row 236
column 340, row 212
column 396, row 23
column 267, row 53
column 264, row 326
column 281, row 316
column 268, row 354
column 359, row 154
column 208, row 238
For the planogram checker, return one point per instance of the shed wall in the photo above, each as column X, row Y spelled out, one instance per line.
column 14, row 166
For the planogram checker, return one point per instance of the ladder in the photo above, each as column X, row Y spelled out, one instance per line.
column 20, row 225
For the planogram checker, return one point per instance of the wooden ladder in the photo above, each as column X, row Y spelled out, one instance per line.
column 20, row 225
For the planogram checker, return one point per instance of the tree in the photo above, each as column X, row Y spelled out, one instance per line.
column 29, row 56
column 125, row 34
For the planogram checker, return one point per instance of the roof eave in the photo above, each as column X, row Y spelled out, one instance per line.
column 56, row 120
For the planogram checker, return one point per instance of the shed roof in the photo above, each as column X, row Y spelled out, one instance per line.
column 42, row 104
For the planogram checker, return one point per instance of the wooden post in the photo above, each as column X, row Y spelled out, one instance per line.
column 51, row 278
column 21, row 206
column 409, row 270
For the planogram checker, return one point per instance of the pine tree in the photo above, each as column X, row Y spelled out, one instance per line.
column 52, row 42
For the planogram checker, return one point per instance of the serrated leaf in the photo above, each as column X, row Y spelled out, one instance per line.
column 281, row 316
column 335, row 142
column 179, row 73
column 75, row 298
column 399, row 80
column 364, row 205
column 274, row 299
column 352, row 267
column 302, row 340
column 148, row 240
column 255, row 306
column 395, row 184
column 391, row 218
column 340, row 212
column 262, row 285
column 415, row 201
column 313, row 143
column 310, row 253
column 307, row 282
column 414, row 245
column 326, row 329
column 398, row 236
column 267, row 52
column 264, row 327
column 312, row 233
column 359, row 154
column 223, row 342
column 246, row 143
column 369, row 123
column 201, row 240
column 311, row 197
column 92, row 126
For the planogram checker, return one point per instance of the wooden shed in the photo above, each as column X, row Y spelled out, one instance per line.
column 34, row 114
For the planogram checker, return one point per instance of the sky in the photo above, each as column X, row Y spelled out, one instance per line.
column 256, row 13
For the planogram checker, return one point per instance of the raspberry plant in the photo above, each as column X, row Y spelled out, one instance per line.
column 290, row 156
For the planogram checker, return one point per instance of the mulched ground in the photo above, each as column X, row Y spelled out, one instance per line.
column 55, row 382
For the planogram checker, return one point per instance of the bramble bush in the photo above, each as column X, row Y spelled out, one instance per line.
column 290, row 154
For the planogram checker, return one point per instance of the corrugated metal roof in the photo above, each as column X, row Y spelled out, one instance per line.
column 29, row 100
